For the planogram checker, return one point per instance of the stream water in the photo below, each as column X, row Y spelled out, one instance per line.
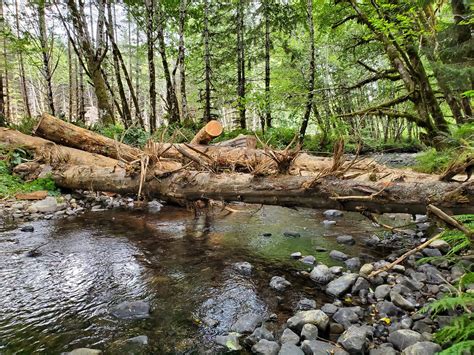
column 178, row 262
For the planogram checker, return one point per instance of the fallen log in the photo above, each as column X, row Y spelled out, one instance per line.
column 65, row 133
column 285, row 190
column 241, row 141
column 211, row 130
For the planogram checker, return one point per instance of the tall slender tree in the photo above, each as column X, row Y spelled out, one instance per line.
column 241, row 104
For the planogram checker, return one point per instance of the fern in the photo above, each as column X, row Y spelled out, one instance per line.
column 464, row 347
column 465, row 300
column 461, row 329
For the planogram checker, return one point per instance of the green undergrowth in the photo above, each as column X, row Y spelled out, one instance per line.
column 456, row 337
column 11, row 184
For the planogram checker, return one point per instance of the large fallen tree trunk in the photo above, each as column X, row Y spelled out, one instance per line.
column 216, row 158
column 284, row 190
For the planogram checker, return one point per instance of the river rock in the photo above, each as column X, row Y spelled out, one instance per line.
column 305, row 304
column 345, row 239
column 386, row 308
column 341, row 285
column 244, row 268
column 266, row 347
column 296, row 255
column 259, row 334
column 290, row 349
column 48, row 205
column 291, row 234
column 353, row 264
column 431, row 252
column 279, row 283
column 441, row 245
column 247, row 323
column 133, row 346
column 400, row 301
column 347, row 316
column 381, row 292
column 333, row 213
column 328, row 223
column 131, row 310
column 27, row 229
column 329, row 308
column 384, row 349
column 433, row 275
column 338, row 255
column 308, row 259
column 154, row 206
column 289, row 336
column 422, row 348
column 321, row 274
column 336, row 270
column 85, row 351
column 317, row 347
column 404, row 338
column 309, row 332
column 354, row 339
column 230, row 341
column 366, row 269
column 372, row 241
column 315, row 317
column 360, row 284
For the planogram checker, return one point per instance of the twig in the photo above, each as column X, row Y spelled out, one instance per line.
column 406, row 255
column 450, row 220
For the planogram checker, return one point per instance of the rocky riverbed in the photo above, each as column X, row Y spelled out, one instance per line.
column 274, row 282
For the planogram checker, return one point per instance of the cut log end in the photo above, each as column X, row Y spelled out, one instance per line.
column 210, row 131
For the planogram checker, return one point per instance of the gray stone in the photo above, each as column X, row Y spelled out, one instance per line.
column 27, row 229
column 266, row 347
column 244, row 268
column 422, row 348
column 441, row 245
column 321, row 274
column 328, row 223
column 433, row 275
column 341, row 285
column 308, row 259
column 336, row 270
column 85, row 351
column 360, row 284
column 381, row 292
column 333, row 213
column 291, row 234
column 372, row 241
column 259, row 334
column 406, row 322
column 399, row 268
column 154, row 206
column 400, row 301
column 315, row 317
column 290, row 349
column 47, row 205
column 247, row 323
column 353, row 264
column 354, row 339
column 336, row 328
column 131, row 310
column 305, row 304
column 404, row 338
column 296, row 255
column 289, row 336
column 386, row 308
column 230, row 341
column 347, row 316
column 431, row 252
column 338, row 255
column 279, row 283
column 383, row 349
column 345, row 239
column 317, row 347
column 309, row 332
column 366, row 269
column 329, row 309
column 133, row 346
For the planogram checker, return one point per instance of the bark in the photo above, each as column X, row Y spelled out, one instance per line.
column 171, row 99
column 46, row 55
column 241, row 65
column 207, row 133
column 181, row 60
column 309, row 100
column 150, row 40
column 268, row 112
column 3, row 120
column 23, row 86
column 284, row 190
column 207, row 65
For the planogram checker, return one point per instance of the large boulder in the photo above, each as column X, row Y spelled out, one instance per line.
column 341, row 285
column 266, row 347
column 403, row 338
column 315, row 317
column 321, row 274
column 354, row 339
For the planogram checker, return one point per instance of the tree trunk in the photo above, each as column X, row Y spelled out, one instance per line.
column 268, row 112
column 309, row 102
column 207, row 65
column 207, row 133
column 3, row 117
column 46, row 54
column 23, row 86
column 181, row 60
column 241, row 65
column 284, row 190
column 150, row 40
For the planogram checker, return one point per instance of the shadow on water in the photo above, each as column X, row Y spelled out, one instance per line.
column 179, row 263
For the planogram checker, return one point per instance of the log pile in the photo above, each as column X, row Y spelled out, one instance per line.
column 77, row 158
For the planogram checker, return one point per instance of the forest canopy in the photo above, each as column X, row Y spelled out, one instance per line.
column 369, row 70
